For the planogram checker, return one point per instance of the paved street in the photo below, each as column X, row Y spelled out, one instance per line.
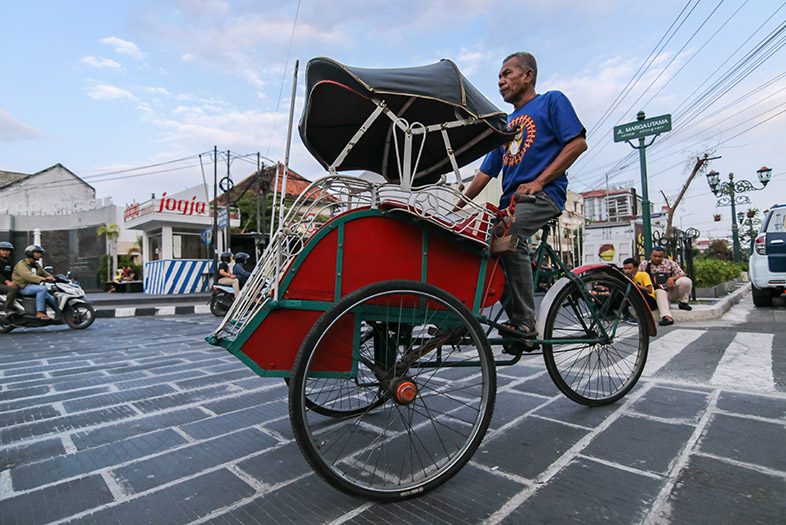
column 137, row 420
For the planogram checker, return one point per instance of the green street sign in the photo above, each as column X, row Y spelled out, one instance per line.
column 642, row 128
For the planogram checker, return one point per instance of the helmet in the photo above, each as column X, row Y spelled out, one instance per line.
column 242, row 257
column 34, row 248
column 226, row 256
column 5, row 245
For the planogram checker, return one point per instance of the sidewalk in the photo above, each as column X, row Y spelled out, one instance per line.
column 712, row 308
column 141, row 304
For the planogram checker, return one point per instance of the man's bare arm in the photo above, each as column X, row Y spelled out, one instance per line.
column 479, row 181
column 560, row 165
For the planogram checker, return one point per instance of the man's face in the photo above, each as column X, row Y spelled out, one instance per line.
column 37, row 255
column 656, row 257
column 5, row 252
column 629, row 269
column 513, row 80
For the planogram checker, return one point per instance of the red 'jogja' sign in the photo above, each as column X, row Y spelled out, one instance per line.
column 182, row 206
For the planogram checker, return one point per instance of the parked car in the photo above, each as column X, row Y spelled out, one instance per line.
column 767, row 266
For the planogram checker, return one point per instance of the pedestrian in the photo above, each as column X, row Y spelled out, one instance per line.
column 7, row 285
column 549, row 138
column 670, row 283
column 28, row 276
column 642, row 281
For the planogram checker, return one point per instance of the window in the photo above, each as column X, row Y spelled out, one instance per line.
column 155, row 246
column 188, row 245
column 777, row 221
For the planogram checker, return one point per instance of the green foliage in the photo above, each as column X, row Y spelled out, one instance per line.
column 719, row 249
column 711, row 272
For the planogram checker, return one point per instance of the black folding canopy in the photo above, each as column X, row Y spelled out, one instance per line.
column 339, row 100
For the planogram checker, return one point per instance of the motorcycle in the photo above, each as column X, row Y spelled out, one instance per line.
column 72, row 308
column 221, row 300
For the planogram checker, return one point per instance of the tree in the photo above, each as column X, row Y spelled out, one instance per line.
column 110, row 232
column 719, row 249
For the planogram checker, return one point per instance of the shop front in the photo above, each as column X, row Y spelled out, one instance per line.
column 176, row 240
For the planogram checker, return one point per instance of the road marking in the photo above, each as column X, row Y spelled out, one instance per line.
column 663, row 349
column 746, row 363
column 125, row 312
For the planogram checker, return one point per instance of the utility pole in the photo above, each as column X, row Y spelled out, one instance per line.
column 215, row 214
column 700, row 162
column 228, row 193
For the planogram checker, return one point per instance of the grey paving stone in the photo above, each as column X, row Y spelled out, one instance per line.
column 147, row 367
column 181, row 503
column 752, row 405
column 117, row 398
column 12, row 457
column 529, row 447
column 152, row 472
column 461, row 500
column 160, row 379
column 713, row 492
column 248, row 400
column 64, row 423
column 214, row 379
column 194, row 396
column 277, row 465
column 56, row 502
column 10, row 373
column 309, row 500
column 72, row 384
column 21, row 380
column 214, row 426
column 125, row 429
column 640, row 443
column 563, row 409
column 23, row 392
column 26, row 415
column 510, row 405
column 52, row 398
column 30, row 476
column 589, row 492
column 669, row 403
column 542, row 385
column 746, row 440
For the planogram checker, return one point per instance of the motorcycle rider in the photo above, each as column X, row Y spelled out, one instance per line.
column 241, row 258
column 28, row 276
column 228, row 278
column 7, row 285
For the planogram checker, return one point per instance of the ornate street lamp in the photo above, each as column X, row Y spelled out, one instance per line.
column 740, row 217
column 727, row 196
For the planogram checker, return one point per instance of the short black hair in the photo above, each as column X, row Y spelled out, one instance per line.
column 630, row 260
column 526, row 60
column 659, row 249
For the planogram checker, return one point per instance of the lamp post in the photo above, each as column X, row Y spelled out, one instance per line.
column 727, row 196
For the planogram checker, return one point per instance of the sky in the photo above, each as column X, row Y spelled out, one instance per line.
column 106, row 88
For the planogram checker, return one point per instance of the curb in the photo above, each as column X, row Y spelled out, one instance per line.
column 142, row 311
column 714, row 311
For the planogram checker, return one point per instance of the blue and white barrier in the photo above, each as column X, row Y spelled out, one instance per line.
column 178, row 276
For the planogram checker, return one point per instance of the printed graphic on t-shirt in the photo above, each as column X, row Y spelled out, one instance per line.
column 524, row 138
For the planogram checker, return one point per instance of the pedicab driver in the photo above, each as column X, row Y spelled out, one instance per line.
column 549, row 138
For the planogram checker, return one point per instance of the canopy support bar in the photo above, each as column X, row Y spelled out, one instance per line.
column 452, row 158
column 381, row 106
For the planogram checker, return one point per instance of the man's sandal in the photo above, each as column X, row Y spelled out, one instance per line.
column 522, row 331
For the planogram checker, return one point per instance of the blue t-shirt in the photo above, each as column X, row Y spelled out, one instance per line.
column 545, row 124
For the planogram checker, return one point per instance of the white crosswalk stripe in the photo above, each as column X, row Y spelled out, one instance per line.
column 746, row 362
column 663, row 349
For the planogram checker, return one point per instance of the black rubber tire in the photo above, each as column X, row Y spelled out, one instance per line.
column 616, row 366
column 219, row 306
column 69, row 315
column 761, row 297
column 351, row 471
column 5, row 328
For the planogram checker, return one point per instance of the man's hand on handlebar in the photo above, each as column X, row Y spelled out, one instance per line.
column 50, row 279
column 529, row 188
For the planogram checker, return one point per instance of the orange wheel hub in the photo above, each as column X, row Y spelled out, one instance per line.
column 406, row 392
